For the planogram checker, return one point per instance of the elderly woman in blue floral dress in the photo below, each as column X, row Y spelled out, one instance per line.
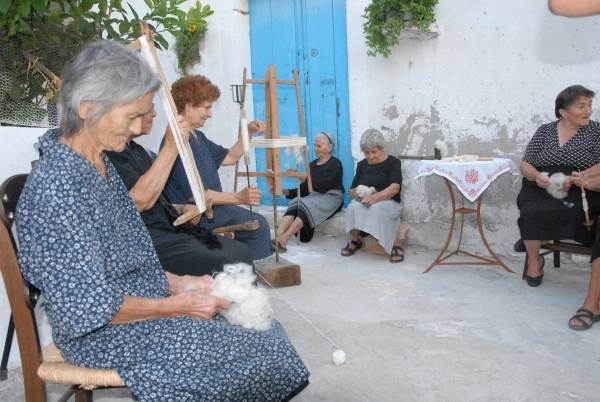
column 109, row 302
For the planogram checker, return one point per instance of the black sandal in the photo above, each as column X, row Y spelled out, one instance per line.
column 396, row 253
column 579, row 317
column 347, row 251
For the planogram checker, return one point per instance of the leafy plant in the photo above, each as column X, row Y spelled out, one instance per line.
column 187, row 42
column 386, row 19
column 53, row 31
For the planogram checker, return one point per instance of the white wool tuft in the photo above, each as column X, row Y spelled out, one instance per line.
column 555, row 189
column 442, row 146
column 338, row 357
column 250, row 306
column 362, row 191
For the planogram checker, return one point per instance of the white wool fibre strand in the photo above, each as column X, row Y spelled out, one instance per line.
column 250, row 306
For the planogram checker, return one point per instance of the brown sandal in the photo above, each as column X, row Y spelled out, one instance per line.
column 348, row 251
column 395, row 255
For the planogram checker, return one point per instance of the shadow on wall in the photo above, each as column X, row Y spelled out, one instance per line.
column 579, row 34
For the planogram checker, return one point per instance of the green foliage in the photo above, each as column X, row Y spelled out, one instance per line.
column 386, row 19
column 187, row 42
column 53, row 31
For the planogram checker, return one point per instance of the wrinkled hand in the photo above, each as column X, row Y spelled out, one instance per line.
column 199, row 304
column 249, row 196
column 256, row 126
column 183, row 127
column 187, row 283
column 542, row 180
column 369, row 200
column 584, row 180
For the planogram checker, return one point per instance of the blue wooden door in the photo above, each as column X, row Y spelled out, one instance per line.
column 309, row 35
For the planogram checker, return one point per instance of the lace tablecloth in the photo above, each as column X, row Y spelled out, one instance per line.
column 471, row 178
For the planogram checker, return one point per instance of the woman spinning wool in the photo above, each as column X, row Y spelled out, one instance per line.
column 570, row 145
column 377, row 214
column 194, row 96
column 304, row 214
column 85, row 246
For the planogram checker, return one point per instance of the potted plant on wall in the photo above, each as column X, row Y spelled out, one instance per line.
column 37, row 38
column 387, row 19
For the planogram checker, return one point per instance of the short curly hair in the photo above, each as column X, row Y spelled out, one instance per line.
column 193, row 89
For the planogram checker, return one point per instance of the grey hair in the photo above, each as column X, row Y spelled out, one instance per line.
column 328, row 137
column 106, row 73
column 371, row 139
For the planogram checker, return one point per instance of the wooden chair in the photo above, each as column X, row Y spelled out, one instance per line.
column 556, row 247
column 38, row 367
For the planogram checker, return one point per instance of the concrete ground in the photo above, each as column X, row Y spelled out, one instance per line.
column 454, row 334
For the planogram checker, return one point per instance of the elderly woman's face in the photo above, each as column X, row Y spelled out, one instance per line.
column 196, row 116
column 113, row 130
column 579, row 112
column 322, row 146
column 375, row 155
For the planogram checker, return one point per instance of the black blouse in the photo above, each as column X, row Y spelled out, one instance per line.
column 379, row 175
column 325, row 177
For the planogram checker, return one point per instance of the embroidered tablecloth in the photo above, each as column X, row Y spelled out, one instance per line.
column 471, row 178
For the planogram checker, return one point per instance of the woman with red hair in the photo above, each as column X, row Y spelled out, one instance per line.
column 194, row 96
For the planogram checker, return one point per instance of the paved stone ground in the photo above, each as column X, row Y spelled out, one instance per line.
column 455, row 334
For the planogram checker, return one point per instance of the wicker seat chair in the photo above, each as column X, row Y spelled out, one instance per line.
column 38, row 367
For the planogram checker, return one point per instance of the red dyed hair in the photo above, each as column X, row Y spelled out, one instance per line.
column 193, row 89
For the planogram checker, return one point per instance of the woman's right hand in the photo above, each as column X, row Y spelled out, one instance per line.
column 199, row 304
column 542, row 180
column 183, row 128
column 249, row 196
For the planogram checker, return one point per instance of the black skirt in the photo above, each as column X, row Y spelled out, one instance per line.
column 543, row 217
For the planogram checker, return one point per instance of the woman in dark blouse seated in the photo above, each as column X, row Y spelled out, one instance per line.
column 188, row 250
column 570, row 145
column 311, row 209
column 377, row 214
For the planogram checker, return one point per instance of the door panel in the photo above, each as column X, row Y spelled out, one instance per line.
column 309, row 35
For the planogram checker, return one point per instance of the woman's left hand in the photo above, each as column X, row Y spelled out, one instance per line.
column 188, row 283
column 369, row 200
column 256, row 126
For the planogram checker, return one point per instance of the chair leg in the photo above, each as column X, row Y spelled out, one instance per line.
column 10, row 331
column 557, row 259
column 84, row 395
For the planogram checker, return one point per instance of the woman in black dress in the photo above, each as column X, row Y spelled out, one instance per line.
column 569, row 144
column 312, row 209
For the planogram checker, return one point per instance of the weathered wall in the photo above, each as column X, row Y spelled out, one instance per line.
column 483, row 86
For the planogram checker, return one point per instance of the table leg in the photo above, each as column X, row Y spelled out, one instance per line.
column 485, row 243
column 439, row 260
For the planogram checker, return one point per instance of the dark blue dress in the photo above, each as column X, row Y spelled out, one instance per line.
column 83, row 243
column 208, row 157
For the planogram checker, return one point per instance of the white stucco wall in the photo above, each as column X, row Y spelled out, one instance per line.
column 482, row 86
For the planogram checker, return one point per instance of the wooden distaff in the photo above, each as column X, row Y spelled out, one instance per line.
column 586, row 210
column 146, row 45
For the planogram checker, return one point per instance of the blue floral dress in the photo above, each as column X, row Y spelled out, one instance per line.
column 83, row 243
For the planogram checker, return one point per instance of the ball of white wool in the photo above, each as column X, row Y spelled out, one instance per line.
column 338, row 357
column 362, row 191
column 250, row 306
column 555, row 188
